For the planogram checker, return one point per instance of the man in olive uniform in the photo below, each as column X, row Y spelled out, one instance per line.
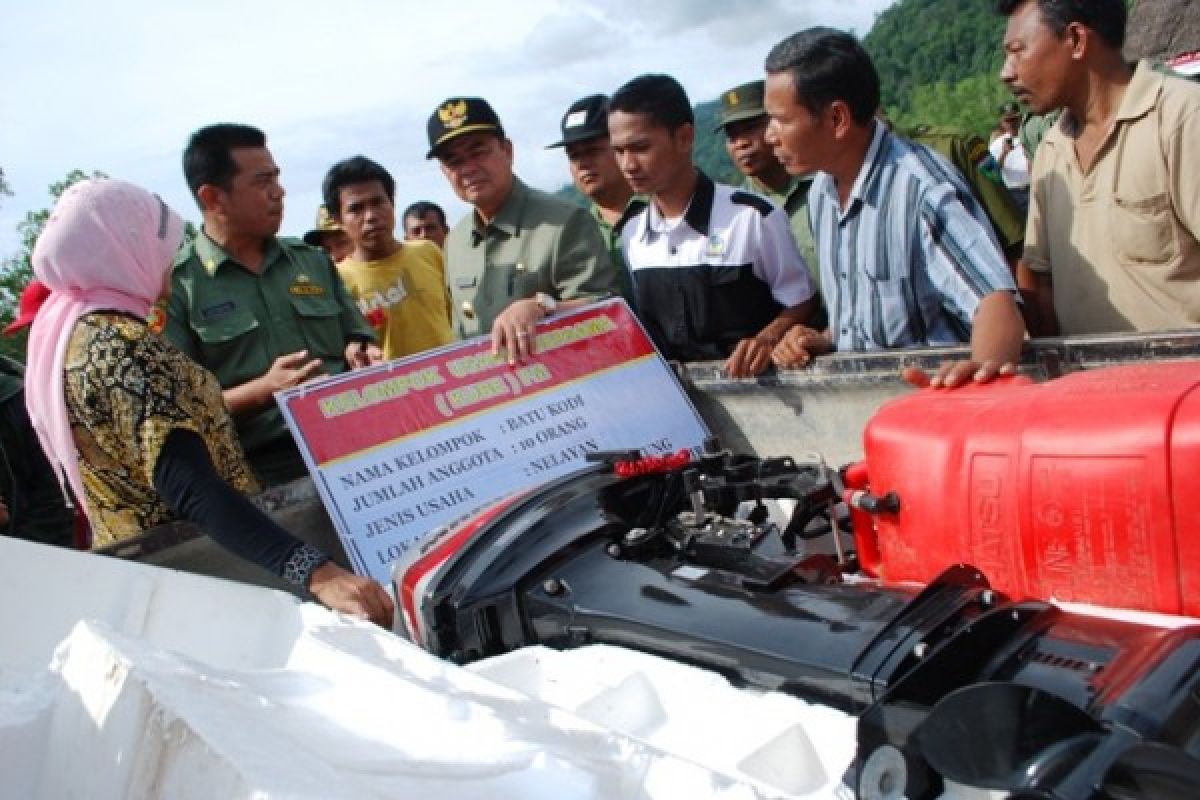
column 969, row 154
column 743, row 120
column 596, row 175
column 260, row 312
column 521, row 255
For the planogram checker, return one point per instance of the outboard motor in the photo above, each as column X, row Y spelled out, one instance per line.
column 954, row 684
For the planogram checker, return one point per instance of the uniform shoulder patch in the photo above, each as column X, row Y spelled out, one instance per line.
column 294, row 243
column 305, row 250
column 761, row 204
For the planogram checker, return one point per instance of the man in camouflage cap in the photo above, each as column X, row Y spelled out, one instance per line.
column 743, row 120
column 328, row 235
column 521, row 255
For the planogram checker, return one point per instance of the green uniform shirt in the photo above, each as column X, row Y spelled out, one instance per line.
column 236, row 322
column 536, row 243
column 1033, row 129
column 969, row 154
column 794, row 202
column 612, row 237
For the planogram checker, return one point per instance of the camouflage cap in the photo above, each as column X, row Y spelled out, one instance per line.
column 459, row 115
column 741, row 102
column 324, row 224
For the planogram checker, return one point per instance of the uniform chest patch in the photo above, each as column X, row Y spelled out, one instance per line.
column 304, row 287
column 987, row 165
column 217, row 310
column 715, row 246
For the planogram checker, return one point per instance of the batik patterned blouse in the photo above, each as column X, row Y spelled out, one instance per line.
column 126, row 389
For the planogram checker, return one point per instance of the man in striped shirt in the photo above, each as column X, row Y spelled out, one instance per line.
column 907, row 256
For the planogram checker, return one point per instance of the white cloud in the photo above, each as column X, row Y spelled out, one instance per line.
column 119, row 86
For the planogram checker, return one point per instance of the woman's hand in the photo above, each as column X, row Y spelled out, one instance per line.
column 352, row 594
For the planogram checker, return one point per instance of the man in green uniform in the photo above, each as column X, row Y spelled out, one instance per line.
column 1033, row 130
column 970, row 156
column 743, row 120
column 522, row 254
column 328, row 235
column 260, row 312
column 596, row 175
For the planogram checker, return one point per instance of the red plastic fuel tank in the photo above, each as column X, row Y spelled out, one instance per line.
column 1085, row 488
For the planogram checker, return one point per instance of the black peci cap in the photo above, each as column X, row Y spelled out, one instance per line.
column 459, row 115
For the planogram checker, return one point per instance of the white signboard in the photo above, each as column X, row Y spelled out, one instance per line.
column 399, row 449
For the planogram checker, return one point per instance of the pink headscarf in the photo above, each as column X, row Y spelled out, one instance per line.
column 107, row 245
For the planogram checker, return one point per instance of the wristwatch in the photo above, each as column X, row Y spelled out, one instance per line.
column 547, row 302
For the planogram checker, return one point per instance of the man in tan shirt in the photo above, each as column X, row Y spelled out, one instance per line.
column 1114, row 212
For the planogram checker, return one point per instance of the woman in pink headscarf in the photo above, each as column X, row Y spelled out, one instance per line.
column 137, row 430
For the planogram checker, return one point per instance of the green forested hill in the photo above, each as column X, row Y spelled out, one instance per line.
column 939, row 62
column 922, row 42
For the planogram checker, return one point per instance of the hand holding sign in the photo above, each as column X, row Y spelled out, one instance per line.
column 401, row 448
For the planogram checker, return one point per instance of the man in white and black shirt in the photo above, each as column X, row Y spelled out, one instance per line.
column 716, row 271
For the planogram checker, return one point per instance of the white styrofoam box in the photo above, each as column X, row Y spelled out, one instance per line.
column 779, row 743
column 151, row 683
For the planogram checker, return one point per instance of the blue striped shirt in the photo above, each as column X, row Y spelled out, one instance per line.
column 909, row 259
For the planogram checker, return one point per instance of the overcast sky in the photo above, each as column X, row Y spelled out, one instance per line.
column 118, row 86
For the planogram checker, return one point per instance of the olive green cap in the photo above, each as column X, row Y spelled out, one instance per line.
column 742, row 102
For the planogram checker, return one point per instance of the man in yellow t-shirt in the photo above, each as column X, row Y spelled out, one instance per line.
column 398, row 285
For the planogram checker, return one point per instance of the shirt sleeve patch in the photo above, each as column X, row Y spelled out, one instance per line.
column 760, row 204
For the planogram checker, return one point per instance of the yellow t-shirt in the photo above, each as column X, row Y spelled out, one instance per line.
column 404, row 298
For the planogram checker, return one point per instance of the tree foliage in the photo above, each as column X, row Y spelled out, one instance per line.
column 972, row 105
column 919, row 43
column 709, row 151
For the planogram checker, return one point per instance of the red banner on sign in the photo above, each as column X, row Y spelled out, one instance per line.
column 343, row 417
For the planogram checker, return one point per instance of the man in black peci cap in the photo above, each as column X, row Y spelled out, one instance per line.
column 597, row 177
column 522, row 254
